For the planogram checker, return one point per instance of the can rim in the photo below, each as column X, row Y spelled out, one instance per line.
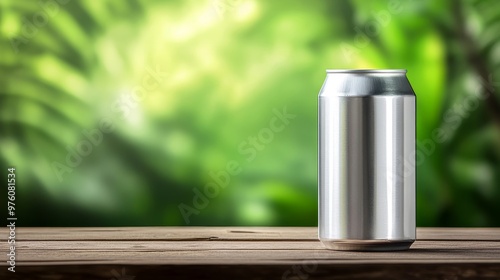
column 366, row 71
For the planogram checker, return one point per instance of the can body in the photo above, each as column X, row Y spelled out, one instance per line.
column 366, row 160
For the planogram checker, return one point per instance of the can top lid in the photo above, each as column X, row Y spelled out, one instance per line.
column 366, row 82
column 365, row 71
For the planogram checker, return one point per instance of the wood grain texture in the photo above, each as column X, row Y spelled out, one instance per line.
column 243, row 253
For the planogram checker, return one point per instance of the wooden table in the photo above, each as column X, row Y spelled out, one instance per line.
column 242, row 253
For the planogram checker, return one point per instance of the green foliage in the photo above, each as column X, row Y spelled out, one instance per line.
column 222, row 69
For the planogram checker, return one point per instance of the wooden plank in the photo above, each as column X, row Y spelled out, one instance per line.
column 491, row 234
column 168, row 233
column 227, row 233
column 249, row 253
column 243, row 253
column 258, row 272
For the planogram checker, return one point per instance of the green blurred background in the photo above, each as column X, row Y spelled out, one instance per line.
column 188, row 87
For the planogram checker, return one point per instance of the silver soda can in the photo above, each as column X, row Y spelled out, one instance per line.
column 366, row 160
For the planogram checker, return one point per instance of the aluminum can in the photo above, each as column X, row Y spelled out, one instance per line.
column 366, row 160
